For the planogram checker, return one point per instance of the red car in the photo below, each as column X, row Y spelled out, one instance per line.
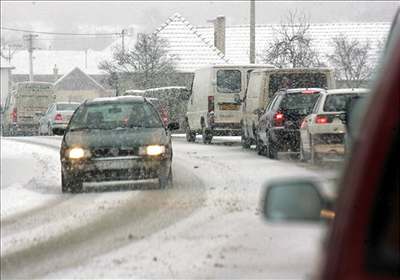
column 364, row 238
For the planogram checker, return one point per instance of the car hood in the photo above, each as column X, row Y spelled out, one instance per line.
column 116, row 138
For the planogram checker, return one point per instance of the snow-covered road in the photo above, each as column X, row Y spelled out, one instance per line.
column 207, row 226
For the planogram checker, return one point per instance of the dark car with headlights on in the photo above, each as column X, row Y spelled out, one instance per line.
column 116, row 140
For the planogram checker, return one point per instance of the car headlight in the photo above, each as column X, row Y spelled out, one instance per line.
column 152, row 150
column 77, row 153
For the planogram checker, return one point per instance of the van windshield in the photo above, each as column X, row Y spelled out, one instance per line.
column 229, row 81
column 297, row 80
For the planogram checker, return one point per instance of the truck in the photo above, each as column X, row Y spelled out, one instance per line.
column 214, row 107
column 25, row 104
column 264, row 83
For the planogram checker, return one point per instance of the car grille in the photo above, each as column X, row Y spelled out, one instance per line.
column 114, row 152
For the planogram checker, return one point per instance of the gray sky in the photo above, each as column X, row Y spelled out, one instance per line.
column 146, row 16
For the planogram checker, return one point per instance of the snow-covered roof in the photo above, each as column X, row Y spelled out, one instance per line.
column 80, row 80
column 237, row 37
column 45, row 60
column 4, row 64
column 188, row 45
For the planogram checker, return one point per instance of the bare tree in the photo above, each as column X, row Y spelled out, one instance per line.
column 9, row 48
column 146, row 65
column 351, row 61
column 292, row 45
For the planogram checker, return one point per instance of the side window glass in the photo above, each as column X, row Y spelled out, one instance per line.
column 278, row 99
column 383, row 246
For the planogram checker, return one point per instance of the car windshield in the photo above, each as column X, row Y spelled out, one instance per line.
column 140, row 139
column 114, row 115
column 337, row 102
column 67, row 107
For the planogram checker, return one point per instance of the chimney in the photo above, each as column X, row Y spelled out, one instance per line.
column 219, row 33
column 55, row 72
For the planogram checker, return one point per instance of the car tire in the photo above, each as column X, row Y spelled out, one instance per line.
column 49, row 130
column 313, row 155
column 245, row 142
column 166, row 181
column 69, row 185
column 260, row 148
column 271, row 151
column 303, row 156
column 206, row 135
column 190, row 135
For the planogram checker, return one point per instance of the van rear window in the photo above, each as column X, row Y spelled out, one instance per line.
column 229, row 81
column 297, row 80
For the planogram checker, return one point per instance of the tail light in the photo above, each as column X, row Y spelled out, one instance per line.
column 210, row 103
column 14, row 115
column 279, row 118
column 58, row 117
column 322, row 119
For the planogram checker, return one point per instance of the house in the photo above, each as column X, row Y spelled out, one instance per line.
column 76, row 85
column 5, row 69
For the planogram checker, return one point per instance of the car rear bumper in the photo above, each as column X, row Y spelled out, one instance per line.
column 289, row 138
column 116, row 169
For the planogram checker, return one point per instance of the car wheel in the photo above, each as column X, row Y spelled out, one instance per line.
column 49, row 130
column 70, row 185
column 271, row 150
column 313, row 155
column 190, row 135
column 303, row 156
column 207, row 136
column 166, row 181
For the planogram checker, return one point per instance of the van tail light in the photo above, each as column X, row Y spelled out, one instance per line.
column 210, row 103
column 14, row 115
column 58, row 117
column 279, row 118
column 322, row 119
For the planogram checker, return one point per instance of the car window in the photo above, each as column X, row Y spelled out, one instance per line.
column 115, row 115
column 337, row 102
column 66, row 107
column 229, row 81
column 299, row 101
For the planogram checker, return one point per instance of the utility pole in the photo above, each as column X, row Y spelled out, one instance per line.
column 252, row 31
column 123, row 32
column 30, row 39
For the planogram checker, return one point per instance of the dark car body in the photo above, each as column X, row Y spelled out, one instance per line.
column 115, row 153
column 278, row 127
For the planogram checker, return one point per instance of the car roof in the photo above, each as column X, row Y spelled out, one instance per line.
column 67, row 103
column 129, row 98
column 293, row 90
column 348, row 90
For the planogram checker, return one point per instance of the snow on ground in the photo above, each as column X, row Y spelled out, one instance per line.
column 226, row 237
column 22, row 167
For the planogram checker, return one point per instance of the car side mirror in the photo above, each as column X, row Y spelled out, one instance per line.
column 295, row 201
column 173, row 126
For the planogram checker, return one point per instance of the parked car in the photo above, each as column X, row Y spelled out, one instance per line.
column 114, row 140
column 278, row 127
column 214, row 108
column 56, row 117
column 263, row 83
column 364, row 238
column 322, row 133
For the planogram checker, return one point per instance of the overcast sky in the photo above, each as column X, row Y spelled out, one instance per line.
column 146, row 16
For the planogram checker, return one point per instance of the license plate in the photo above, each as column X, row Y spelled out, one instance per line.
column 229, row 106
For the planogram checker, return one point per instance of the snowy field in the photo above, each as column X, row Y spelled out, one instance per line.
column 208, row 225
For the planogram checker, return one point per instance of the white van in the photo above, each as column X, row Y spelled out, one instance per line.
column 263, row 84
column 214, row 107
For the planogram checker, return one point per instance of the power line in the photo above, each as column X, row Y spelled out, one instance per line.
column 59, row 33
